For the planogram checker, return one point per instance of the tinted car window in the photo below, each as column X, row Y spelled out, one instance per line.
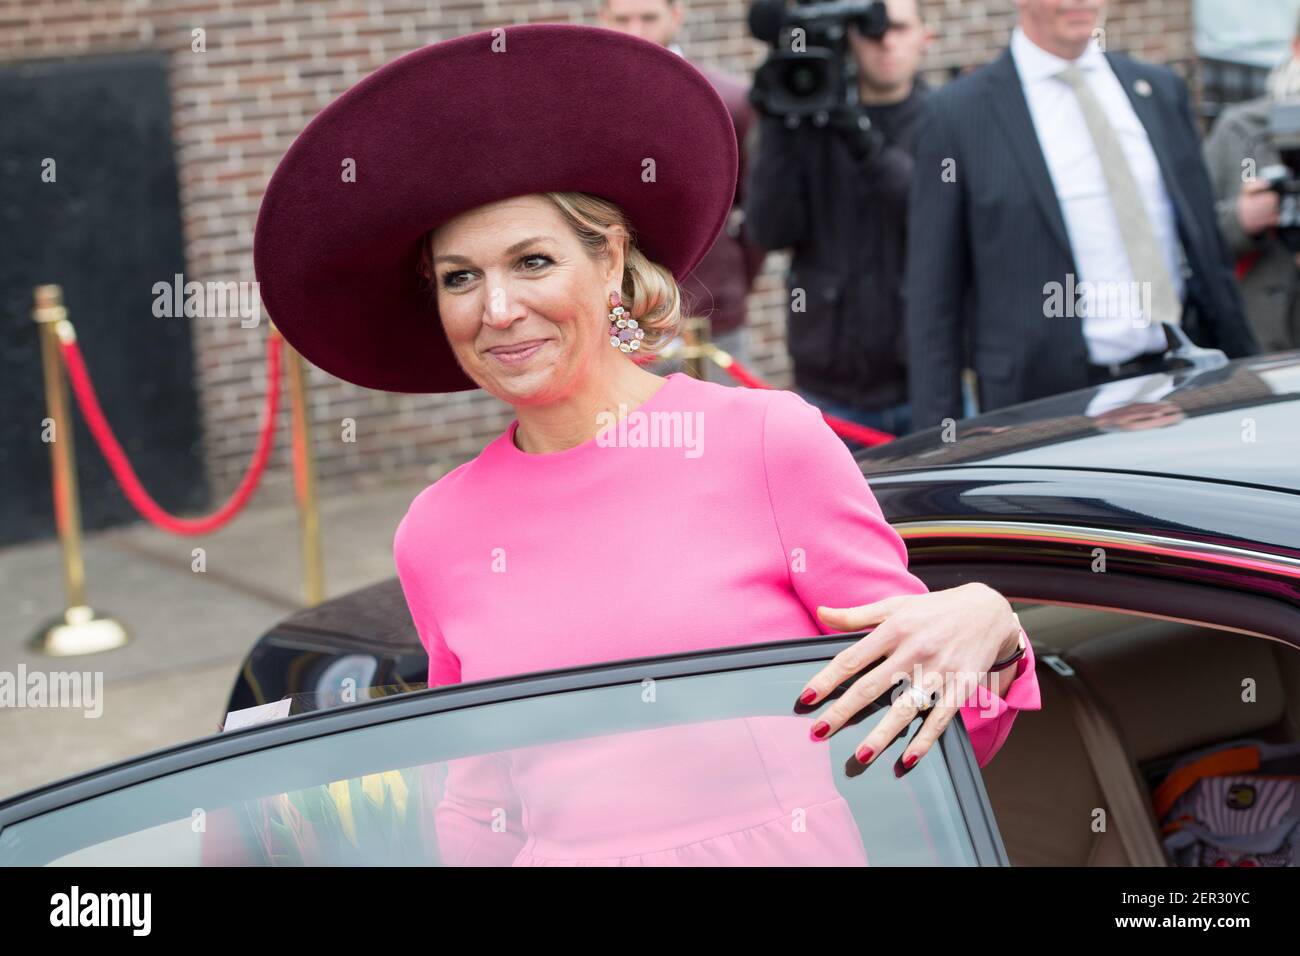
column 709, row 769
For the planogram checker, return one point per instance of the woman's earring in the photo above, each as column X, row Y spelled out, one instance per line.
column 623, row 332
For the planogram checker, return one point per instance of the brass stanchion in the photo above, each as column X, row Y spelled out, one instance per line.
column 695, row 338
column 79, row 630
column 313, row 564
column 971, row 383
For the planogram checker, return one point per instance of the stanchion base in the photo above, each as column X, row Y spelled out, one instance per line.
column 79, row 630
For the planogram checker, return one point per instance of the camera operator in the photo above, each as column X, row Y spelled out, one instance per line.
column 1239, row 153
column 837, row 195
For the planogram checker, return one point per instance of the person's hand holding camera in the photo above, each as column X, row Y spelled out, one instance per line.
column 863, row 139
column 1258, row 207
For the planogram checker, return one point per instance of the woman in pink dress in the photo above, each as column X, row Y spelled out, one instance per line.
column 513, row 210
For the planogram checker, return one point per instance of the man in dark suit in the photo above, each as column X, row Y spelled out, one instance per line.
column 1061, row 212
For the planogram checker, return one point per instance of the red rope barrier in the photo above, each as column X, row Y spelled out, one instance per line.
column 842, row 427
column 125, row 474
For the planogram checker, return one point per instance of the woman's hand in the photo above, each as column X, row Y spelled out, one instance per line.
column 942, row 642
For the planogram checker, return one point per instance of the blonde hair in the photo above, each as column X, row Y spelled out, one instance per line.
column 650, row 291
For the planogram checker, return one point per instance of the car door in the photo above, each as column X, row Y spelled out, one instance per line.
column 682, row 760
column 1149, row 645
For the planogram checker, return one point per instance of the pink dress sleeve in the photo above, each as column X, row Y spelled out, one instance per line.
column 841, row 552
column 408, row 555
column 477, row 815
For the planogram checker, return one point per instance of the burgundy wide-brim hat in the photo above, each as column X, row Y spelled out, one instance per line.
column 518, row 110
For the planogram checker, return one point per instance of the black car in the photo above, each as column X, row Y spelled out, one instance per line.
column 1147, row 532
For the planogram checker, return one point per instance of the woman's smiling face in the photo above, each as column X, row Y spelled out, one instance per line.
column 523, row 304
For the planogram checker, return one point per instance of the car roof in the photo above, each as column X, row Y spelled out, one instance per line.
column 1239, row 423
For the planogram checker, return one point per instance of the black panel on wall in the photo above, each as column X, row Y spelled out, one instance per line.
column 107, row 229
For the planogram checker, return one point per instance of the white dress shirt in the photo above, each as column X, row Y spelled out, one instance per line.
column 1113, row 323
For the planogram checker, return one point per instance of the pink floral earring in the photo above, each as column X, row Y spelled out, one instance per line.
column 623, row 332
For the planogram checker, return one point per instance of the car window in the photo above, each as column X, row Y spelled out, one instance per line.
column 708, row 769
column 1151, row 692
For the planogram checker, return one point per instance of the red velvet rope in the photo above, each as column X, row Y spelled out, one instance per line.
column 842, row 427
column 125, row 474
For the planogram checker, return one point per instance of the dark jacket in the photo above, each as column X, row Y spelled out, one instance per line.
column 845, row 220
column 988, row 238
column 718, row 286
column 1271, row 284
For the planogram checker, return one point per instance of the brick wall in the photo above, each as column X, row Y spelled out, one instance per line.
column 971, row 33
column 270, row 65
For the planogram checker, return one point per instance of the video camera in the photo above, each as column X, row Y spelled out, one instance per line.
column 811, row 72
column 1284, row 178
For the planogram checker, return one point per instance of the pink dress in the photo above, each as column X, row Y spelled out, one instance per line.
column 709, row 517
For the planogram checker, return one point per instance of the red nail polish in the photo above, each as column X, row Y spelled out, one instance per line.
column 820, row 729
column 865, row 754
column 808, row 696
column 910, row 761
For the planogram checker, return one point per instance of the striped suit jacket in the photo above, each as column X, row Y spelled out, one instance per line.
column 987, row 238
